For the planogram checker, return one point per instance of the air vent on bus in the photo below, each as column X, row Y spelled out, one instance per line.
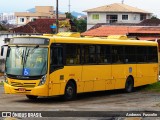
column 27, row 85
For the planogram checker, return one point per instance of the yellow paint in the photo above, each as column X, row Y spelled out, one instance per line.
column 118, row 37
column 89, row 77
column 68, row 34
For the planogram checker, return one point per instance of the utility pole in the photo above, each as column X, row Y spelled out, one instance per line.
column 57, row 23
column 69, row 7
column 122, row 1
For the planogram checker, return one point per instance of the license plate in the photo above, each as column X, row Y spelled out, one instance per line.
column 21, row 89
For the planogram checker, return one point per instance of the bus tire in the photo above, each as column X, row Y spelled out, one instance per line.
column 129, row 86
column 70, row 91
column 31, row 97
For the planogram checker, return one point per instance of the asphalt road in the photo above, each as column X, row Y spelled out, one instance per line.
column 97, row 101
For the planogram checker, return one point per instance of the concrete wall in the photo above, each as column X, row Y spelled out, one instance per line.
column 19, row 23
column 132, row 18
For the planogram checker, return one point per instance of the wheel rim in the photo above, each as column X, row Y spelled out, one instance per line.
column 69, row 91
column 129, row 85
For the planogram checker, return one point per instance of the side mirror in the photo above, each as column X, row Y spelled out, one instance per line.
column 2, row 50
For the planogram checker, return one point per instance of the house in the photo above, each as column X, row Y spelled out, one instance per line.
column 139, row 32
column 115, row 13
column 41, row 12
column 148, row 29
column 39, row 26
column 7, row 18
column 42, row 26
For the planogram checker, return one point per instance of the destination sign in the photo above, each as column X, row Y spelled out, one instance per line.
column 29, row 41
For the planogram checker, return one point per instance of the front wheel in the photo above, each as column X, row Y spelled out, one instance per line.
column 31, row 97
column 70, row 91
column 129, row 86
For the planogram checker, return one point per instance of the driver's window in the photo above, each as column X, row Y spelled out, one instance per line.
column 56, row 59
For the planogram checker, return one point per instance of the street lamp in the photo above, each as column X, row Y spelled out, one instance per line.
column 57, row 23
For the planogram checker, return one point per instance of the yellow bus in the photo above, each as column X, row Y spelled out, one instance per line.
column 59, row 65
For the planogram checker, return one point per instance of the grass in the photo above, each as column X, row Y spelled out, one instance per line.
column 155, row 87
column 1, row 83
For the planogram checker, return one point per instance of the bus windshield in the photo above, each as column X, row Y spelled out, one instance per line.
column 26, row 61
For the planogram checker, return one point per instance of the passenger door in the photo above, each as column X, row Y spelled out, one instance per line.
column 56, row 71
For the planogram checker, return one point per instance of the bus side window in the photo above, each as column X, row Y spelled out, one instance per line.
column 130, row 54
column 104, row 54
column 152, row 55
column 117, row 54
column 56, row 59
column 72, row 52
column 89, row 54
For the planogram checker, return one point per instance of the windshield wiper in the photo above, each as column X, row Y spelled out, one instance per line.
column 32, row 51
column 22, row 58
column 27, row 53
column 18, row 52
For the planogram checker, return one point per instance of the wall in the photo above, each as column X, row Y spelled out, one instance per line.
column 19, row 23
column 132, row 18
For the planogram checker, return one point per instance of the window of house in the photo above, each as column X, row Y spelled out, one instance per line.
column 95, row 16
column 21, row 19
column 124, row 17
column 112, row 18
column 142, row 17
column 33, row 19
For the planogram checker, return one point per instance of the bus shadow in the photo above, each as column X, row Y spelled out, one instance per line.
column 98, row 94
column 108, row 93
column 80, row 97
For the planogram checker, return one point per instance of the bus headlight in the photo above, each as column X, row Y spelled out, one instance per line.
column 43, row 80
column 5, row 78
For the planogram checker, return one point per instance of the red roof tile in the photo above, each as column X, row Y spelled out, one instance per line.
column 38, row 26
column 121, row 30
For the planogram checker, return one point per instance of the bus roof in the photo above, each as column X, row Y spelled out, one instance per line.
column 83, row 40
column 94, row 40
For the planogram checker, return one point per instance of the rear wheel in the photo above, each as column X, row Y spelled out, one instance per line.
column 129, row 86
column 31, row 97
column 70, row 91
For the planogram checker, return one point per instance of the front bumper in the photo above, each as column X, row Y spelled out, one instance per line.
column 37, row 90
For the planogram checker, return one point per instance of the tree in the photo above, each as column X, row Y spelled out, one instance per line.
column 81, row 25
column 69, row 16
column 77, row 25
column 154, row 17
column 2, row 28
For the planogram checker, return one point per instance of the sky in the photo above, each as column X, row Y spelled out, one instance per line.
column 152, row 6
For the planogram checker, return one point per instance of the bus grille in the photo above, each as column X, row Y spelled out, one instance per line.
column 27, row 85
